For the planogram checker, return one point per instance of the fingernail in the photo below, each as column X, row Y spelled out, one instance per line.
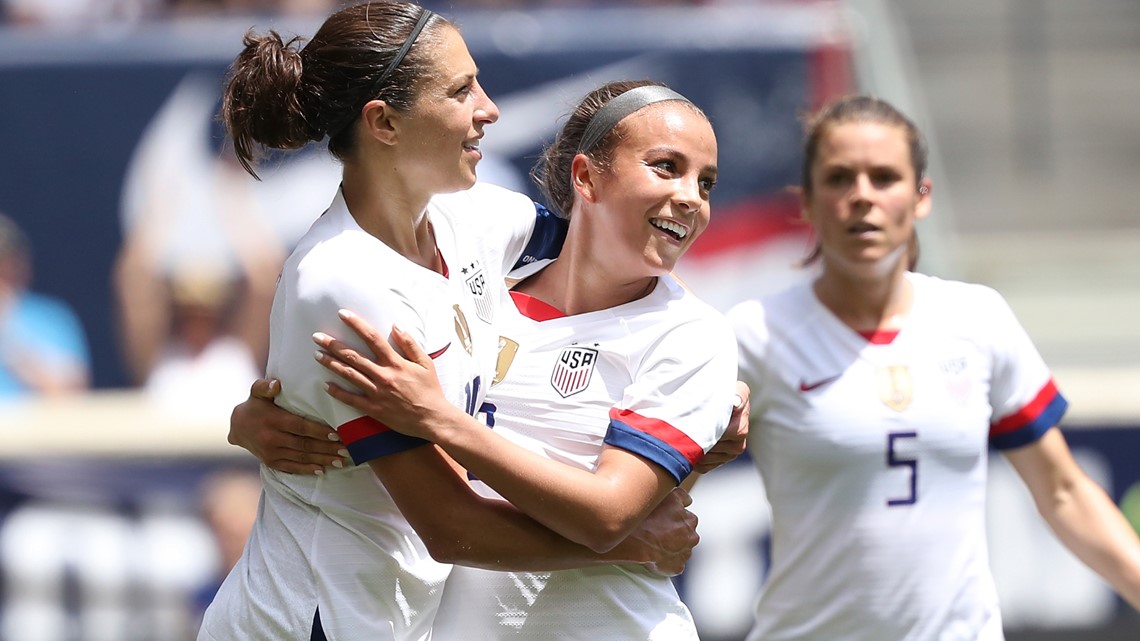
column 738, row 402
column 333, row 436
column 344, row 313
column 343, row 453
column 320, row 337
column 338, row 464
column 318, row 355
column 319, row 472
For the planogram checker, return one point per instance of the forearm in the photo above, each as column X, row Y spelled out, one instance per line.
column 497, row 536
column 459, row 526
column 1086, row 520
column 597, row 508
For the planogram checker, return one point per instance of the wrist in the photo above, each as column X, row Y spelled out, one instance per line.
column 630, row 550
column 445, row 424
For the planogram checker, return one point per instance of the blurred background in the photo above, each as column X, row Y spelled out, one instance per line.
column 137, row 260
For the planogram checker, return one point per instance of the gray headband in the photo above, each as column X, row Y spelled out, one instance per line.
column 425, row 15
column 615, row 110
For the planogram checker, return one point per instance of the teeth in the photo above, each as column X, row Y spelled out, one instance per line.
column 669, row 226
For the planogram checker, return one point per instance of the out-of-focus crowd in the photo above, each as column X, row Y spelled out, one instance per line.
column 72, row 14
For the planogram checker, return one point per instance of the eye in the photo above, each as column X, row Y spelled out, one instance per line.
column 837, row 178
column 665, row 166
column 883, row 178
column 707, row 184
column 465, row 90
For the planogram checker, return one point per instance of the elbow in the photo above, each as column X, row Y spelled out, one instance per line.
column 602, row 535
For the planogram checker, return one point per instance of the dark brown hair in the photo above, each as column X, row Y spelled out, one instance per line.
column 282, row 95
column 552, row 171
column 860, row 109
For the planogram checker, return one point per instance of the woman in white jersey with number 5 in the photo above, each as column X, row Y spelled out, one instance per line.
column 407, row 241
column 876, row 394
column 612, row 379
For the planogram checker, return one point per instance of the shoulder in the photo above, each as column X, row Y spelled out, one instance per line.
column 685, row 306
column 962, row 301
column 347, row 268
column 482, row 198
column 686, row 317
column 340, row 255
column 760, row 317
column 955, row 290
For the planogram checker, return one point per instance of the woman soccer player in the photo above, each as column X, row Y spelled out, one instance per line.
column 877, row 393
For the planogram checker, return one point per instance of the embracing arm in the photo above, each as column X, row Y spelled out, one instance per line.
column 1081, row 514
column 457, row 525
column 597, row 508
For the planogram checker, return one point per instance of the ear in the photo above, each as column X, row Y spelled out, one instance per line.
column 923, row 206
column 583, row 178
column 380, row 121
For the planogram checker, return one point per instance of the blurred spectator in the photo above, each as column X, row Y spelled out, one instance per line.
column 76, row 14
column 43, row 348
column 194, row 324
column 229, row 499
column 242, row 7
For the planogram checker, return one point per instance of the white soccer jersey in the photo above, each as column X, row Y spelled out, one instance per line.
column 655, row 377
column 873, row 452
column 337, row 541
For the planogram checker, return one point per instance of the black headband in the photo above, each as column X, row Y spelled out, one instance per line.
column 615, row 110
column 404, row 48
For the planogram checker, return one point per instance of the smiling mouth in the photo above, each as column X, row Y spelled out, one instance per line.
column 472, row 146
column 676, row 231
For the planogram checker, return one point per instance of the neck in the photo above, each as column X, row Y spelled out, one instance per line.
column 387, row 207
column 865, row 303
column 580, row 282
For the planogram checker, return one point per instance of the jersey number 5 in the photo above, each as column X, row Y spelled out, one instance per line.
column 894, row 460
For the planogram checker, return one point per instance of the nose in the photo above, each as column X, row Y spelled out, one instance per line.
column 487, row 111
column 688, row 195
column 862, row 189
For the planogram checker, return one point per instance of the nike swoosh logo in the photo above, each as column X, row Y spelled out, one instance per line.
column 807, row 387
column 435, row 355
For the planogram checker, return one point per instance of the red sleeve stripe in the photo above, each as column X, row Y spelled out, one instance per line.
column 661, row 430
column 361, row 428
column 1026, row 414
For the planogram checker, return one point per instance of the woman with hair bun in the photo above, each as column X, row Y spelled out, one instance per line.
column 410, row 241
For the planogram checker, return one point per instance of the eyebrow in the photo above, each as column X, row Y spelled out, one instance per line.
column 666, row 149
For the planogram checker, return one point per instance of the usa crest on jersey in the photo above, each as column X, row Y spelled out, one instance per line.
column 895, row 387
column 476, row 282
column 573, row 369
